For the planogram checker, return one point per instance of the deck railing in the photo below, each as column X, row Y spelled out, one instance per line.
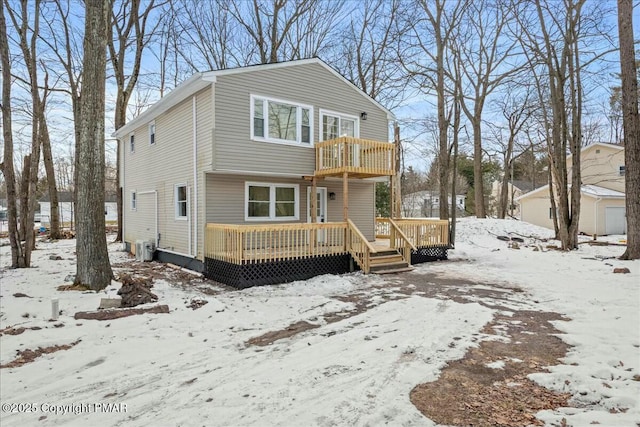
column 243, row 244
column 425, row 232
column 383, row 228
column 358, row 246
column 247, row 244
column 401, row 241
column 356, row 156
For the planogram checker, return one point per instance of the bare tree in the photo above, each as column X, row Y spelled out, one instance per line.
column 368, row 51
column 554, row 41
column 62, row 40
column 516, row 110
column 488, row 57
column 281, row 30
column 424, row 57
column 128, row 36
column 17, row 254
column 26, row 23
column 93, row 267
column 631, row 124
column 47, row 157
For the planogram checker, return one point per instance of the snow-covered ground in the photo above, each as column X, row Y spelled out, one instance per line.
column 193, row 367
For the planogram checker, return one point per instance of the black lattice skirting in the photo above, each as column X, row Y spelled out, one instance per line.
column 428, row 254
column 273, row 272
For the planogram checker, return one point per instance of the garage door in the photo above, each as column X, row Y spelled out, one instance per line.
column 615, row 220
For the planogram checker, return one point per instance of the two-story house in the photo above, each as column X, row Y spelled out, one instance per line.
column 262, row 174
column 602, row 202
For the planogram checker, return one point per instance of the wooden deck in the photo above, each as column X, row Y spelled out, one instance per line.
column 360, row 158
column 251, row 244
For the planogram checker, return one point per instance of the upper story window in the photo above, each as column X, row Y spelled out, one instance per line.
column 152, row 133
column 132, row 143
column 281, row 121
column 181, row 201
column 134, row 201
column 621, row 170
column 334, row 125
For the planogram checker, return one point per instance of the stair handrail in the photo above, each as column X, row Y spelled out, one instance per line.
column 408, row 245
column 360, row 255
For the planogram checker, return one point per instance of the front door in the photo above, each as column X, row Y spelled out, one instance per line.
column 321, row 207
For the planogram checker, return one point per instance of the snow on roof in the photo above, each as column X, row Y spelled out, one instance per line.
column 597, row 191
column 587, row 190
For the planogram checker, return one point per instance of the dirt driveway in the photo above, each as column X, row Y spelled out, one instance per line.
column 489, row 386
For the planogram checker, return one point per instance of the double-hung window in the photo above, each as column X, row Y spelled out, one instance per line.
column 181, row 201
column 281, row 121
column 622, row 170
column 271, row 202
column 132, row 143
column 134, row 201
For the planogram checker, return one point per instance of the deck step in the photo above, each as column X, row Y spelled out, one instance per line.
column 388, row 266
column 384, row 252
column 386, row 259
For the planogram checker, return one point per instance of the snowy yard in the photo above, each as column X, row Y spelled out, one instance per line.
column 334, row 350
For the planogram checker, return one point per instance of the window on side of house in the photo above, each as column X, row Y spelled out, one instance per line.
column 181, row 201
column 134, row 201
column 622, row 170
column 132, row 143
column 152, row 133
column 334, row 125
column 281, row 121
column 271, row 202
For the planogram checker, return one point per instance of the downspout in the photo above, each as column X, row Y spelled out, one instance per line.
column 189, row 220
column 124, row 200
column 195, row 184
column 598, row 200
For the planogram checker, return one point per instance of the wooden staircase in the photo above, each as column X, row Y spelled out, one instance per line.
column 388, row 262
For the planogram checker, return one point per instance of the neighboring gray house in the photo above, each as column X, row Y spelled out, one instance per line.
column 66, row 208
column 241, row 147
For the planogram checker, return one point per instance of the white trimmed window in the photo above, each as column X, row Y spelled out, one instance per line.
column 134, row 201
column 132, row 143
column 622, row 170
column 152, row 133
column 281, row 121
column 334, row 125
column 181, row 201
column 271, row 202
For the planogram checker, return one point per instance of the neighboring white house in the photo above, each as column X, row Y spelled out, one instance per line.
column 602, row 202
column 425, row 204
column 66, row 208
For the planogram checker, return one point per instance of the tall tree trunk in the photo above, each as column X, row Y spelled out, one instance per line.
column 8, row 171
column 54, row 220
column 478, row 180
column 24, row 199
column 93, row 267
column 631, row 125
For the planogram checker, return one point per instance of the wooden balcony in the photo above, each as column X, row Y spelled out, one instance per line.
column 360, row 158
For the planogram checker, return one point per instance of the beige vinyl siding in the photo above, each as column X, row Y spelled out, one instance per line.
column 226, row 199
column 161, row 166
column 601, row 168
column 535, row 210
column 309, row 84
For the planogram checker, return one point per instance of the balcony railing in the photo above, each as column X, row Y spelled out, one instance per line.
column 360, row 158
